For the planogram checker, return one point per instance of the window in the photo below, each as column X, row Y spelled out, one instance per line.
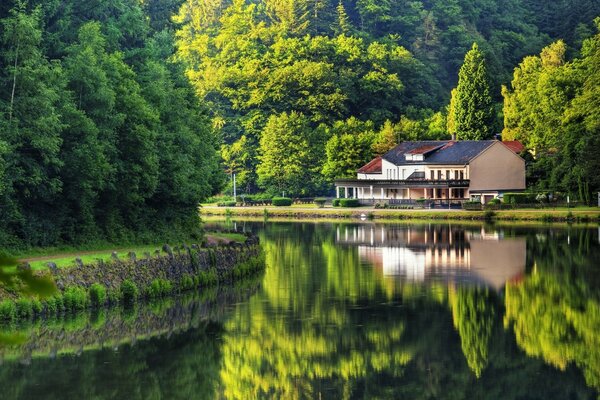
column 432, row 175
column 447, row 174
column 439, row 174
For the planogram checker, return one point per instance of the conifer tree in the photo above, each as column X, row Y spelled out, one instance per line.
column 473, row 110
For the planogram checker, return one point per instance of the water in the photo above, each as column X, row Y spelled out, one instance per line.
column 346, row 311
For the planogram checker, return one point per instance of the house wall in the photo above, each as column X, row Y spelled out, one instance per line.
column 497, row 169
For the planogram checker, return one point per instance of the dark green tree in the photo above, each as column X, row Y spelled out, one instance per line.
column 473, row 108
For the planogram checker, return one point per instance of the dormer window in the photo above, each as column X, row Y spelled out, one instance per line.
column 414, row 157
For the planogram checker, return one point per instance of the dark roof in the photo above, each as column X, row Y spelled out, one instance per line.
column 373, row 167
column 444, row 152
column 514, row 145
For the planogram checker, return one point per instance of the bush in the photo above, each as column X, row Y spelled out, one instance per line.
column 159, row 288
column 320, row 202
column 520, row 198
column 282, row 201
column 472, row 205
column 75, row 298
column 24, row 308
column 187, row 282
column 336, row 202
column 349, row 203
column 219, row 199
column 98, row 294
column 54, row 305
column 129, row 291
column 8, row 310
column 227, row 204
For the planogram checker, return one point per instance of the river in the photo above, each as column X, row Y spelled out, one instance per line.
column 345, row 311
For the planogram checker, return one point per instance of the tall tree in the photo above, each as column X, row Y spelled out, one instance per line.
column 473, row 110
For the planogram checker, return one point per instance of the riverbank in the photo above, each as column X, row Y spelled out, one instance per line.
column 587, row 214
column 27, row 293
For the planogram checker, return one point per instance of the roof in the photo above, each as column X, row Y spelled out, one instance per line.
column 514, row 145
column 445, row 152
column 373, row 167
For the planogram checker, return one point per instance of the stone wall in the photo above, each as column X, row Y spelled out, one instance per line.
column 170, row 264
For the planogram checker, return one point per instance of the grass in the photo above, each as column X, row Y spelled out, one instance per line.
column 582, row 214
column 38, row 259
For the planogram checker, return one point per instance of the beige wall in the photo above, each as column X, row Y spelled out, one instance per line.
column 497, row 168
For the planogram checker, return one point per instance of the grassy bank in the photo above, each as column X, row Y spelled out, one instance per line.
column 584, row 214
column 66, row 257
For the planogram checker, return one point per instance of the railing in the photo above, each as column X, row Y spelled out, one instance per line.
column 365, row 183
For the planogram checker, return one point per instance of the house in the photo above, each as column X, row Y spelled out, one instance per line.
column 440, row 172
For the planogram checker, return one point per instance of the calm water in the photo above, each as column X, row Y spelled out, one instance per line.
column 345, row 311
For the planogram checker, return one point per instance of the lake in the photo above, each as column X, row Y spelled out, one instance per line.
column 345, row 311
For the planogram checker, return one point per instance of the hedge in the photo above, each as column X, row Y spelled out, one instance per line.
column 349, row 203
column 520, row 198
column 336, row 202
column 282, row 201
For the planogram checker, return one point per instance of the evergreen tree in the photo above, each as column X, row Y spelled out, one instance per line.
column 473, row 109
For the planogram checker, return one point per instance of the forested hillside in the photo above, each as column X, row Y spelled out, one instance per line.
column 304, row 91
column 101, row 137
column 118, row 116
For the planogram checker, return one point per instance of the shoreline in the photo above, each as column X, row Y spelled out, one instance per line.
column 55, row 291
column 539, row 215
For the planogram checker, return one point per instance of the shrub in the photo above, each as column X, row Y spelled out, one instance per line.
column 489, row 215
column 320, row 202
column 98, row 294
column 349, row 203
column 159, row 288
column 129, row 291
column 187, row 282
column 336, row 202
column 520, row 198
column 75, row 298
column 8, row 310
column 227, row 204
column 494, row 201
column 282, row 201
column 472, row 205
column 54, row 305
column 24, row 308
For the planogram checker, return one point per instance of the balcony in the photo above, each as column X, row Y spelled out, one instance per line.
column 406, row 183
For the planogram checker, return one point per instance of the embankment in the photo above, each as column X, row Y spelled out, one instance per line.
column 544, row 215
column 47, row 293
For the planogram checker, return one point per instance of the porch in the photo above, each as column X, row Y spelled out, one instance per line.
column 407, row 192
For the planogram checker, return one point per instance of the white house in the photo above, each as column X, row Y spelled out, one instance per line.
column 439, row 171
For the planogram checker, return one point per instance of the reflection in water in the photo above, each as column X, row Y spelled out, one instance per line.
column 330, row 324
column 416, row 312
column 419, row 253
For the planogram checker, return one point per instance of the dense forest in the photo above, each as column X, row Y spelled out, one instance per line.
column 118, row 116
column 303, row 91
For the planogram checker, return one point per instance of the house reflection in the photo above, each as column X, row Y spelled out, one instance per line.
column 421, row 253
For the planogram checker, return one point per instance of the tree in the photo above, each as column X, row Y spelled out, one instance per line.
column 349, row 148
column 473, row 110
column 290, row 155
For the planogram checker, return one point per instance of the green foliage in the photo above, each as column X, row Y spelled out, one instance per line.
column 75, row 298
column 290, row 155
column 98, row 295
column 159, row 288
column 552, row 107
column 336, row 202
column 129, row 292
column 348, row 203
column 282, row 201
column 320, row 202
column 471, row 106
column 519, row 198
column 8, row 310
column 97, row 123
